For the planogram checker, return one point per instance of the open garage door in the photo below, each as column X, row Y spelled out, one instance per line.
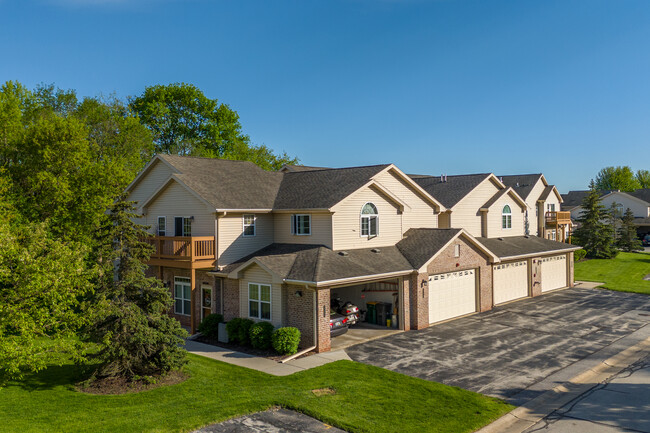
column 451, row 295
column 510, row 281
column 554, row 273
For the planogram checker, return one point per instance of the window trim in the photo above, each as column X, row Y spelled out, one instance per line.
column 363, row 216
column 506, row 218
column 244, row 225
column 294, row 223
column 183, row 299
column 158, row 225
column 259, row 301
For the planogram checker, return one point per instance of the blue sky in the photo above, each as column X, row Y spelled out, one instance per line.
column 559, row 87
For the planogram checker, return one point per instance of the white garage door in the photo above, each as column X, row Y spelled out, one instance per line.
column 452, row 294
column 510, row 281
column 553, row 273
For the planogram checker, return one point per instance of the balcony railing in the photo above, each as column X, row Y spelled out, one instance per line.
column 558, row 217
column 185, row 248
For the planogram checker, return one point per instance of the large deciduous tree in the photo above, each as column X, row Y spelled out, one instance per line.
column 643, row 177
column 627, row 236
column 130, row 321
column 616, row 178
column 594, row 233
column 184, row 121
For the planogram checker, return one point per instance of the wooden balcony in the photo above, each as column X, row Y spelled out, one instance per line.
column 558, row 217
column 191, row 252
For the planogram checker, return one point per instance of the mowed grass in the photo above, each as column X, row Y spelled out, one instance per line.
column 367, row 399
column 624, row 273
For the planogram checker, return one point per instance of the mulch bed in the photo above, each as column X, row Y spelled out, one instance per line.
column 113, row 386
column 268, row 354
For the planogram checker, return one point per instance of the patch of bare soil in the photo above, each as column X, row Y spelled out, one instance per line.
column 114, row 386
column 323, row 391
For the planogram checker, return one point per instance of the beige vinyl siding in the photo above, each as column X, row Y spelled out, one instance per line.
column 175, row 201
column 465, row 214
column 255, row 274
column 150, row 182
column 321, row 229
column 347, row 223
column 494, row 220
column 639, row 209
column 419, row 212
column 531, row 201
column 233, row 245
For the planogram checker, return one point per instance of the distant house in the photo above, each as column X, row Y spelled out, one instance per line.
column 232, row 238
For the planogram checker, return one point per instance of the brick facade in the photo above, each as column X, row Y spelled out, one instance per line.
column 230, row 299
column 405, row 322
column 299, row 312
column 323, row 320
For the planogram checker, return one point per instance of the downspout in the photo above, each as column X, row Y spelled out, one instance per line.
column 309, row 349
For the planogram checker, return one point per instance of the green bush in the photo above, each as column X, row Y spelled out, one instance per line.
column 260, row 335
column 238, row 329
column 579, row 255
column 210, row 325
column 286, row 340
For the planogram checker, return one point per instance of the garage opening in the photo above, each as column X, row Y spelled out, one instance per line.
column 452, row 294
column 554, row 273
column 510, row 281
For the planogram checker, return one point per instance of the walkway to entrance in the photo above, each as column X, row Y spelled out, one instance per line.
column 361, row 333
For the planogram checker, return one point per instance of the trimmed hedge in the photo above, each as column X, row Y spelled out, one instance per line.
column 286, row 340
column 210, row 325
column 579, row 255
column 238, row 329
column 260, row 335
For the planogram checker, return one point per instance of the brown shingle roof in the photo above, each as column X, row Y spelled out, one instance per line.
column 453, row 190
column 523, row 184
column 522, row 246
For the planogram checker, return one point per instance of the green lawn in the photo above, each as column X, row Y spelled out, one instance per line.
column 624, row 273
column 367, row 399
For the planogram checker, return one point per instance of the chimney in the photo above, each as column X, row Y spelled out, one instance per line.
column 442, row 178
column 445, row 178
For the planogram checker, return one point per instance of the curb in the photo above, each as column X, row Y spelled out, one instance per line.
column 530, row 413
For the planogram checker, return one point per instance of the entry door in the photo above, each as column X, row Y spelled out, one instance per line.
column 451, row 295
column 206, row 300
column 554, row 273
column 510, row 281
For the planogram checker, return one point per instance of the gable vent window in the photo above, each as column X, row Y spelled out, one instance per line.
column 249, row 225
column 456, row 250
column 506, row 218
column 369, row 220
column 301, row 225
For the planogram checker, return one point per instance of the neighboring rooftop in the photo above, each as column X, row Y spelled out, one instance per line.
column 573, row 199
column 450, row 189
column 514, row 246
column 523, row 184
column 642, row 194
column 293, row 168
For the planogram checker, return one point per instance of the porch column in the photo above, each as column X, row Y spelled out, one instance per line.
column 419, row 300
column 194, row 303
column 322, row 312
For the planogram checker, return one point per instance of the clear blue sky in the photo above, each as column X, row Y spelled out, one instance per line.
column 560, row 87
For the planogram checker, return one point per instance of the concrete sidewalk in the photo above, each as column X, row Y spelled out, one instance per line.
column 263, row 364
column 587, row 284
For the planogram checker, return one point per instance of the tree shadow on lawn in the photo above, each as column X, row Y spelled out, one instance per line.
column 66, row 375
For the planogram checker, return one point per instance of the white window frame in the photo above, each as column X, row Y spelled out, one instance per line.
column 164, row 218
column 553, row 235
column 185, row 219
column 254, row 225
column 259, row 301
column 363, row 216
column 183, row 282
column 550, row 207
column 295, row 225
column 506, row 218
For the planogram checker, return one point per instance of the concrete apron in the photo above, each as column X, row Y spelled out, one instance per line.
column 597, row 371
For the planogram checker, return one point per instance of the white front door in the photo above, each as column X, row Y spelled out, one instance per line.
column 510, row 281
column 554, row 275
column 452, row 294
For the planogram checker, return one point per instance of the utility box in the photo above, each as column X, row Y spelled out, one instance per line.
column 384, row 313
column 371, row 315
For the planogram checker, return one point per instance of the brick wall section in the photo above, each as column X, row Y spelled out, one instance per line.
column 299, row 312
column 419, row 301
column 569, row 259
column 230, row 299
column 406, row 320
column 323, row 320
column 201, row 277
column 470, row 258
column 535, row 266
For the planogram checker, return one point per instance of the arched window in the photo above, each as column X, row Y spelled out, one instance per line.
column 369, row 220
column 506, row 218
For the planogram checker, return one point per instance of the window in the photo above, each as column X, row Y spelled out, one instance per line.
column 182, row 296
column 300, row 225
column 183, row 226
column 162, row 226
column 259, row 301
column 506, row 218
column 249, row 225
column 456, row 250
column 550, row 207
column 369, row 220
column 553, row 235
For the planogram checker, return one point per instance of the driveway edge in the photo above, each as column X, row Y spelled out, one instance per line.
column 527, row 415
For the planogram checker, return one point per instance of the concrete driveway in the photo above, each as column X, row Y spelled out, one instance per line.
column 518, row 350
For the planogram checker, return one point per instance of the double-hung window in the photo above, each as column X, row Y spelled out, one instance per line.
column 249, row 225
column 183, row 226
column 506, row 217
column 301, row 224
column 182, row 296
column 259, row 301
column 162, row 226
column 369, row 220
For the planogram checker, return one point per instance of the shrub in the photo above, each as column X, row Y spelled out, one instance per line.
column 238, row 329
column 210, row 325
column 579, row 255
column 260, row 335
column 286, row 340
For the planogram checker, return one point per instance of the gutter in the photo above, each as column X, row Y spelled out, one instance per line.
column 542, row 253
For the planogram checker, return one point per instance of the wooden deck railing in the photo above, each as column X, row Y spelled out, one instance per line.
column 560, row 217
column 187, row 248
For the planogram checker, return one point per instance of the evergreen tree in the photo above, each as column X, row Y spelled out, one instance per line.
column 130, row 321
column 594, row 233
column 627, row 238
